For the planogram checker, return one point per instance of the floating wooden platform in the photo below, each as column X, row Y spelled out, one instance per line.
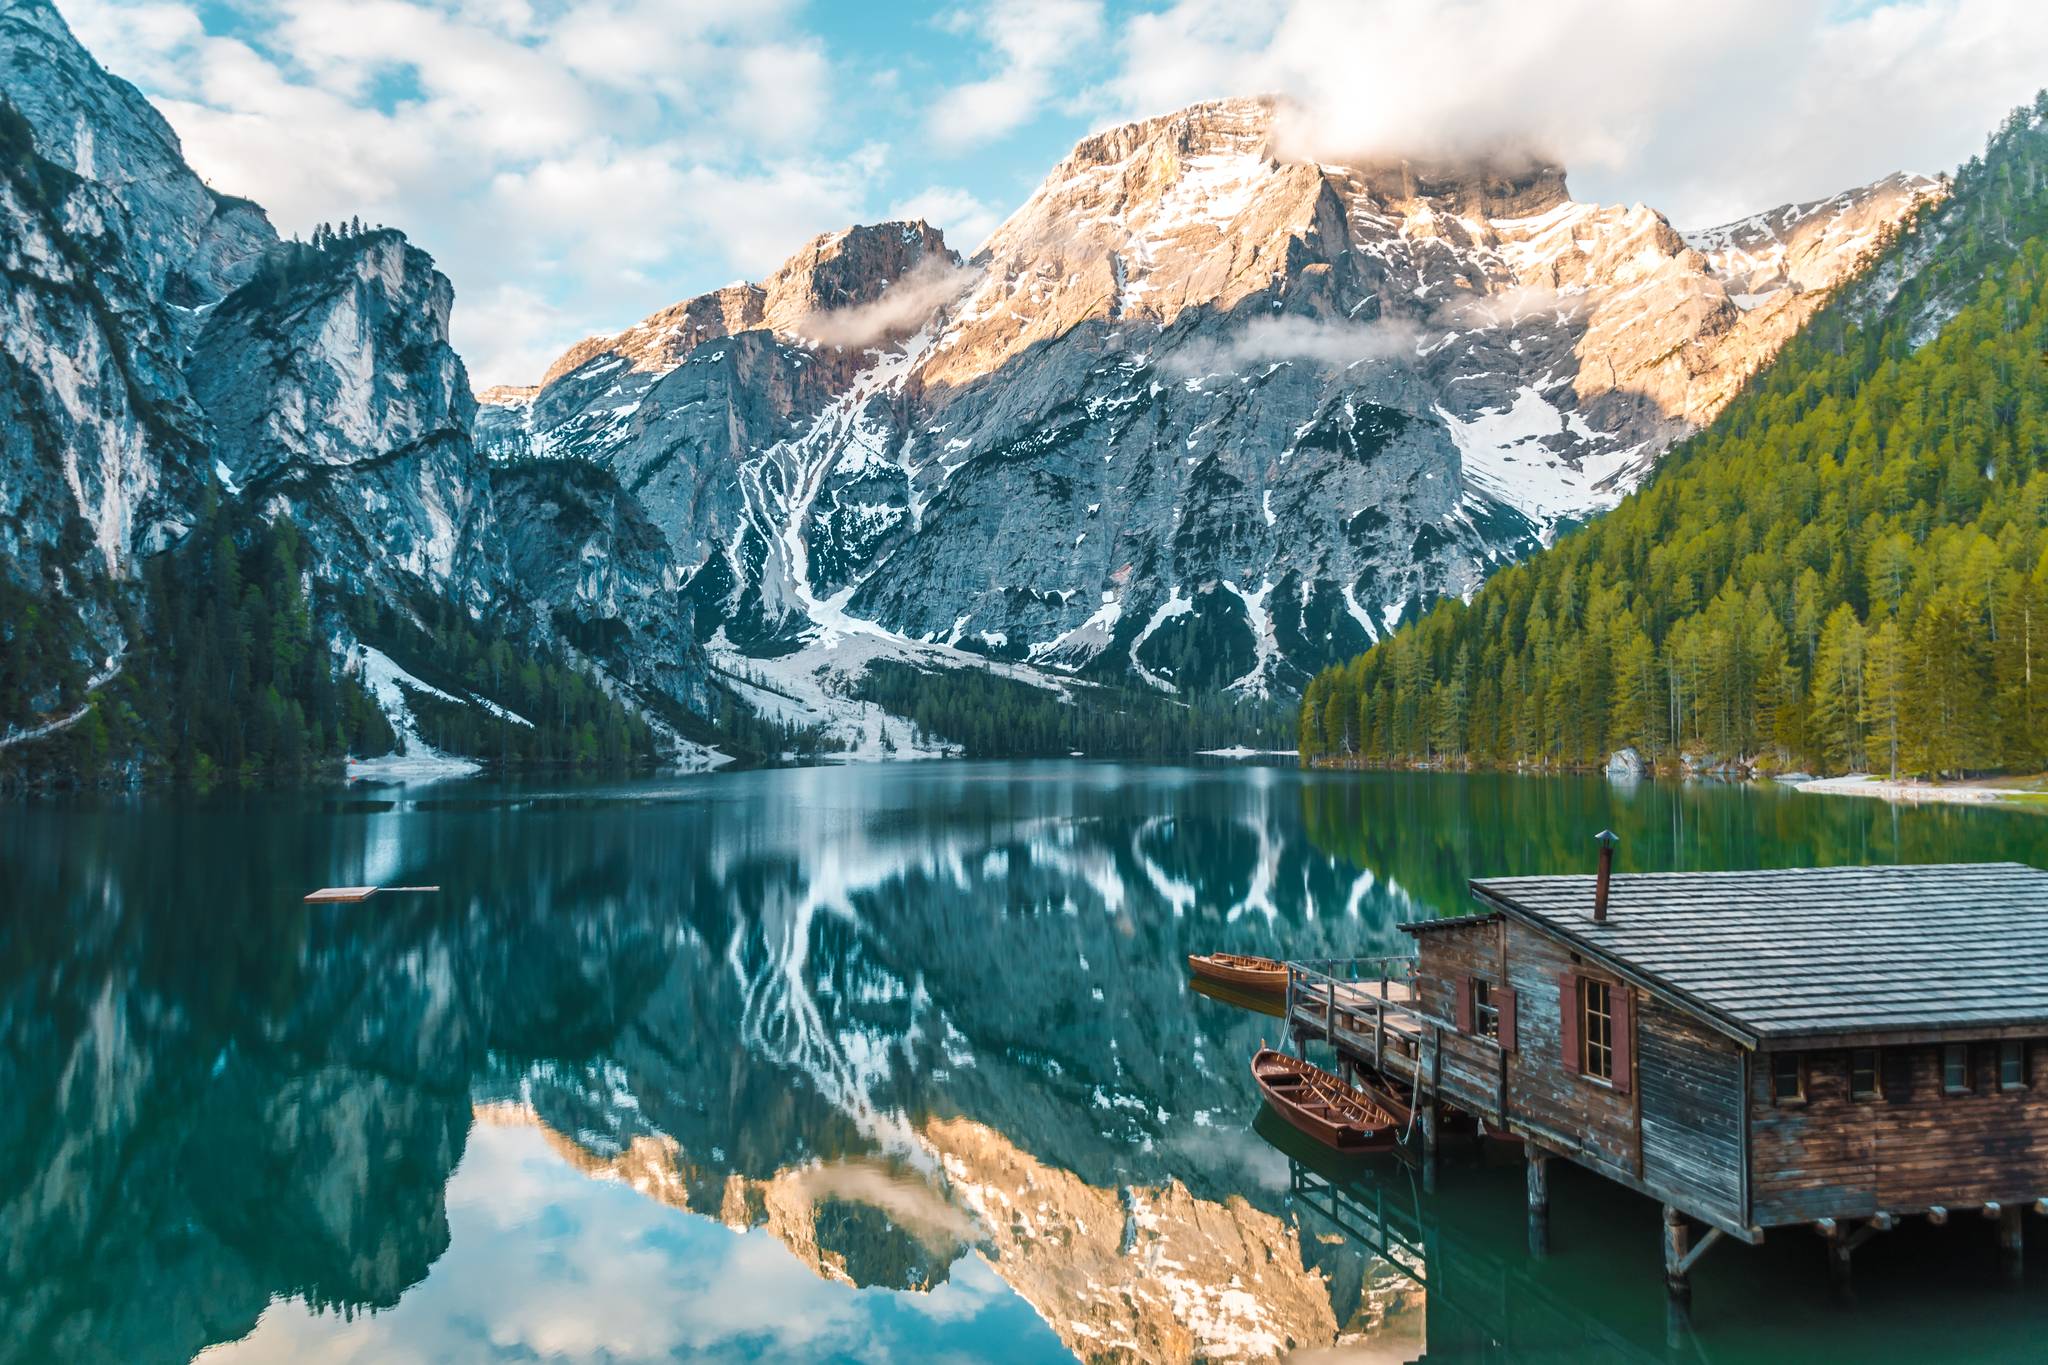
column 350, row 895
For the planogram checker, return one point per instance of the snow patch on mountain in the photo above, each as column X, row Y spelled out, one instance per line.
column 388, row 685
column 1506, row 453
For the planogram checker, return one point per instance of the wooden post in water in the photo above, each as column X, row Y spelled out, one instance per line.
column 1677, row 1277
column 1539, row 1200
column 1839, row 1251
column 2012, row 1241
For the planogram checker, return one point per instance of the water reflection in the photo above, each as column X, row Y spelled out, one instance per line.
column 925, row 1034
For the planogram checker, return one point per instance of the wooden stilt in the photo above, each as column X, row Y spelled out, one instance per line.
column 1840, row 1248
column 1539, row 1201
column 2011, row 1241
column 1426, row 1116
column 1677, row 1322
column 1677, row 1267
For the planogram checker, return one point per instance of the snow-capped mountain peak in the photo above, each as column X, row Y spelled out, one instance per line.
column 1198, row 414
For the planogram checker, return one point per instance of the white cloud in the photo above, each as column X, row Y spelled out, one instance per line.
column 538, row 151
column 1032, row 40
column 1325, row 344
column 784, row 88
column 924, row 289
column 1704, row 111
column 510, row 330
column 965, row 219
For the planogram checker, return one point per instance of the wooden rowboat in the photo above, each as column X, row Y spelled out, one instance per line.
column 1387, row 1096
column 1321, row 1105
column 1241, row 970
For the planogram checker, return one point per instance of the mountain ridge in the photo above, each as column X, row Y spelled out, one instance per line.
column 1197, row 420
column 1154, row 289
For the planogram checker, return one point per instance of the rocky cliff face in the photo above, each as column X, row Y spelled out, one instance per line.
column 166, row 349
column 332, row 394
column 111, row 245
column 1198, row 415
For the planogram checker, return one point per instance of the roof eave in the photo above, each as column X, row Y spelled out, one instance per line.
column 1449, row 922
column 1868, row 1034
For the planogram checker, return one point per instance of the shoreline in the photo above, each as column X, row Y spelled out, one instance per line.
column 1902, row 791
column 1912, row 792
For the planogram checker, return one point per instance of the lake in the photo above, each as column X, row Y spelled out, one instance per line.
column 879, row 1063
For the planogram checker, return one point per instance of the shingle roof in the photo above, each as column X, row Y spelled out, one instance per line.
column 1817, row 950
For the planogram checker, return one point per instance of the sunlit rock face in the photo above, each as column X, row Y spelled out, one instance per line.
column 1200, row 414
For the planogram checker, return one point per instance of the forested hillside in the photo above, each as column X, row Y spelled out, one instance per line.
column 1847, row 570
column 990, row 716
column 228, row 676
column 232, row 676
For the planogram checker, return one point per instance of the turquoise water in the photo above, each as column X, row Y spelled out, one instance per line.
column 862, row 1064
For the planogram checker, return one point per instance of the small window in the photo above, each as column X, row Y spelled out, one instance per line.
column 1955, row 1068
column 2012, row 1065
column 1865, row 1082
column 1788, row 1077
column 1596, row 1030
column 1485, row 1012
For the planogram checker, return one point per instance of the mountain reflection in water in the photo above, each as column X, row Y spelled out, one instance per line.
column 913, row 1049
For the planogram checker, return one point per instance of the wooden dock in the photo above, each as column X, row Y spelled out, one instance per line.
column 1366, row 1011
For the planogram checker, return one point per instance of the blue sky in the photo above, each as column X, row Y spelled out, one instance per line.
column 574, row 167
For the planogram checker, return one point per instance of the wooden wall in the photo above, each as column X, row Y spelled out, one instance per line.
column 1835, row 1157
column 1543, row 1084
column 1675, row 1129
column 1448, row 953
column 1691, row 1081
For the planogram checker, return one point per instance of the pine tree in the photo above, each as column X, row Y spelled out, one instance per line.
column 1884, row 685
column 1836, row 697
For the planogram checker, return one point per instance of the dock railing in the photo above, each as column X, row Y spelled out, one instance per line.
column 1366, row 1009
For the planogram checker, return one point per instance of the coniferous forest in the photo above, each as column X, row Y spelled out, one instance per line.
column 991, row 716
column 231, row 675
column 1848, row 570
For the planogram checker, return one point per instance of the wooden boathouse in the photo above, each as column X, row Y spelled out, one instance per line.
column 1834, row 1049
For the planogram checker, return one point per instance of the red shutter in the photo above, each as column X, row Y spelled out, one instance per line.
column 1568, row 1019
column 1624, row 1038
column 1505, row 995
column 1464, row 984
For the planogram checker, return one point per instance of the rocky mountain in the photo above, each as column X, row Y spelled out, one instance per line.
column 168, row 348
column 1198, row 415
column 168, row 353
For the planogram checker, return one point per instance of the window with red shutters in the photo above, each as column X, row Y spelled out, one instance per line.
column 1506, row 996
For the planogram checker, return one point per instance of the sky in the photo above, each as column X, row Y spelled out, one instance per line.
column 575, row 166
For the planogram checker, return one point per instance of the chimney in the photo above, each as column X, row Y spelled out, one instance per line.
column 1607, row 839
